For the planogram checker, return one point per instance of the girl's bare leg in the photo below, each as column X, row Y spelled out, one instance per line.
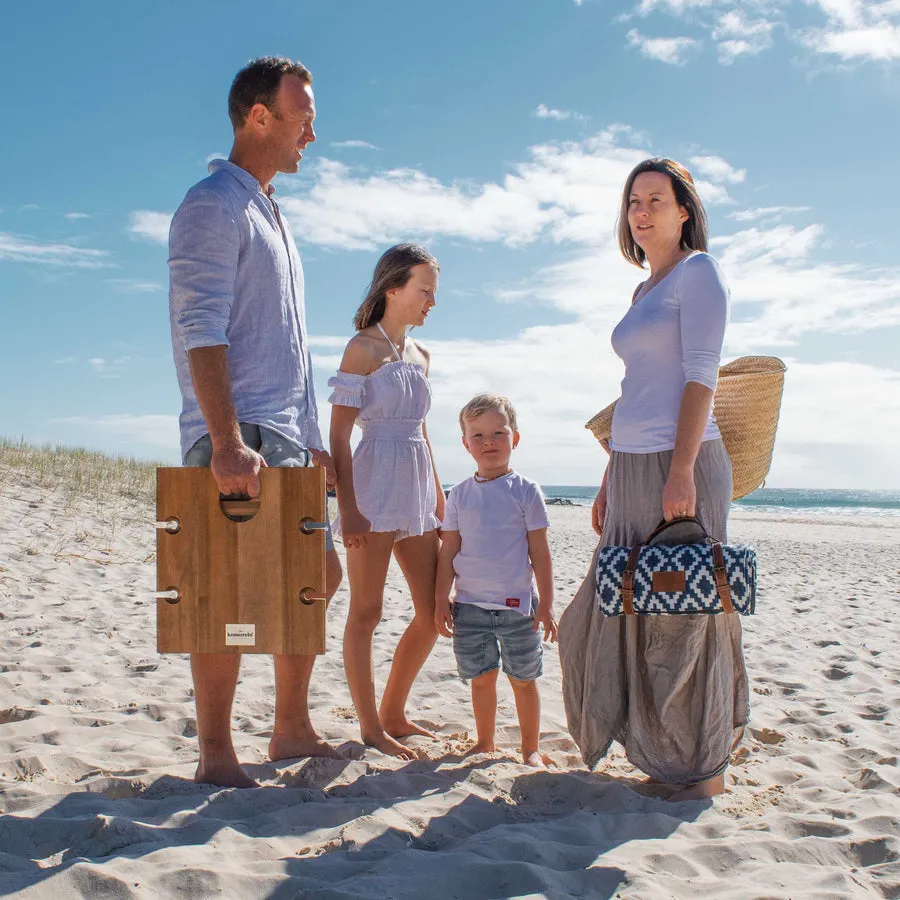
column 367, row 571
column 417, row 558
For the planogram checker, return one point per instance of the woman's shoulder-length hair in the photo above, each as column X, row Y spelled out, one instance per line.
column 694, row 232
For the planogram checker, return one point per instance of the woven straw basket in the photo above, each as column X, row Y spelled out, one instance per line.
column 746, row 404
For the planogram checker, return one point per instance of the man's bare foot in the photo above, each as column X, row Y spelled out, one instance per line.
column 481, row 747
column 386, row 744
column 223, row 773
column 537, row 760
column 286, row 746
column 404, row 727
column 702, row 791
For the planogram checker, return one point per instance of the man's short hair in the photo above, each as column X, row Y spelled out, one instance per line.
column 258, row 82
column 484, row 403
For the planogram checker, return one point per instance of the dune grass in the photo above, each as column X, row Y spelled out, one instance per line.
column 77, row 472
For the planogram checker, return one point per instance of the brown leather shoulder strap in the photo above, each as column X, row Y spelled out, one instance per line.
column 628, row 580
column 721, row 576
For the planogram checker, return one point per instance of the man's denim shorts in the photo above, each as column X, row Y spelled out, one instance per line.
column 275, row 449
column 484, row 637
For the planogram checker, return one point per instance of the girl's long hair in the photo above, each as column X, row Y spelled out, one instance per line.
column 393, row 270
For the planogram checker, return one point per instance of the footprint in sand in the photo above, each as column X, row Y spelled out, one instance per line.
column 767, row 736
column 15, row 714
column 837, row 673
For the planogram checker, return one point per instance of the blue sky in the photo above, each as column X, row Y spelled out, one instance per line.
column 499, row 134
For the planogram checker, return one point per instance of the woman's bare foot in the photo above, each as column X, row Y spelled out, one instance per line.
column 481, row 747
column 406, row 728
column 386, row 744
column 292, row 746
column 223, row 773
column 702, row 791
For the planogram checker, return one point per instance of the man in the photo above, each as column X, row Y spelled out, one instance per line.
column 243, row 363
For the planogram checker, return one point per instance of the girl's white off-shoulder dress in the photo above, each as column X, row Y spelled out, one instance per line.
column 392, row 473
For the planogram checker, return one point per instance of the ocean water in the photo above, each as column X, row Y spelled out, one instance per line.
column 807, row 502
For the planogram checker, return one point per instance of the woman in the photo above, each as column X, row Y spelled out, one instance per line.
column 671, row 689
column 389, row 497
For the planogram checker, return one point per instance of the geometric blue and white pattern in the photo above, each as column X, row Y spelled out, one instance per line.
column 695, row 560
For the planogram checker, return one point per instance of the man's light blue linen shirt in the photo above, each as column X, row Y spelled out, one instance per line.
column 235, row 279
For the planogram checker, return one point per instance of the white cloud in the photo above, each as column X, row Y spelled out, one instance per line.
column 76, row 215
column 360, row 212
column 717, row 169
column 676, row 7
column 135, row 285
column 793, row 295
column 29, row 250
column 547, row 112
column 108, row 368
column 855, row 31
column 361, row 145
column 739, row 36
column 765, row 212
column 150, row 225
column 877, row 43
column 156, row 430
column 674, row 51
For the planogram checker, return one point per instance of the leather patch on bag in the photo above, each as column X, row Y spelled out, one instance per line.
column 669, row 582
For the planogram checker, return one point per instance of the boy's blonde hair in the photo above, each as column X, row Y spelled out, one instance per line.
column 484, row 403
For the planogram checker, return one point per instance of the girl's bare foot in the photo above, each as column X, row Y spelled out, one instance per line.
column 702, row 791
column 481, row 747
column 406, row 728
column 284, row 746
column 223, row 773
column 387, row 745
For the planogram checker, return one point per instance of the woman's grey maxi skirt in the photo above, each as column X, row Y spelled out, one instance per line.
column 671, row 689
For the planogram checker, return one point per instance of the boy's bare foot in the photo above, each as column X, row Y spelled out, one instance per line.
column 537, row 760
column 387, row 745
column 406, row 728
column 223, row 773
column 291, row 746
column 481, row 747
column 702, row 791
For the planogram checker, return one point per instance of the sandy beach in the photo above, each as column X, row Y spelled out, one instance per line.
column 98, row 748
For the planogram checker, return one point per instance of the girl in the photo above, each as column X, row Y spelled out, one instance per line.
column 389, row 495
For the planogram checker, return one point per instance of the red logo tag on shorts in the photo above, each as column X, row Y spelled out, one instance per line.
column 513, row 601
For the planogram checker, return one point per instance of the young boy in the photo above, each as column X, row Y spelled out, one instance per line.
column 495, row 548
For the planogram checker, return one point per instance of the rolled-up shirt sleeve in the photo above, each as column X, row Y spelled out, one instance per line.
column 204, row 245
column 703, row 299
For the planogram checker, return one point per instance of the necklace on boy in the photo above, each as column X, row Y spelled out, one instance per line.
column 481, row 480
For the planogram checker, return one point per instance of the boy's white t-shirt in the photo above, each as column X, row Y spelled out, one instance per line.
column 493, row 518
